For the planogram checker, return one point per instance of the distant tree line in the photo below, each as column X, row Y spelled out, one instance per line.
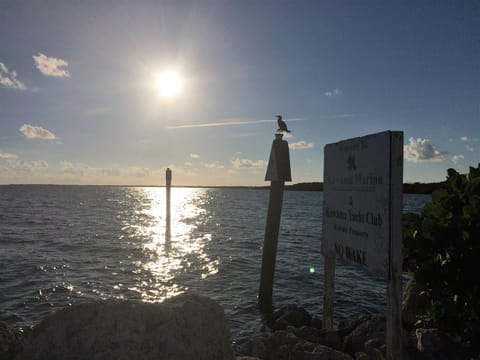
column 408, row 188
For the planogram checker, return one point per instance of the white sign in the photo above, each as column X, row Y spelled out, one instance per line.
column 362, row 193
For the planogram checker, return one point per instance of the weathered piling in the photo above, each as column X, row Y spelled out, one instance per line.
column 168, row 176
column 278, row 171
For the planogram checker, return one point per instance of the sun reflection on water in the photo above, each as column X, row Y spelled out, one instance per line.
column 166, row 261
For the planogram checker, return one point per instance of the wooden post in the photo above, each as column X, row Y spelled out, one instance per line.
column 394, row 329
column 168, row 177
column 329, row 292
column 278, row 171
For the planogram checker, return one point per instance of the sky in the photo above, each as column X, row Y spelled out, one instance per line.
column 82, row 100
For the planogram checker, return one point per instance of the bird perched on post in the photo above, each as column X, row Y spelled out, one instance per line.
column 282, row 126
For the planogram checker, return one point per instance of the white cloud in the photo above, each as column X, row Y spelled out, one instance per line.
column 50, row 66
column 456, row 158
column 194, row 156
column 469, row 148
column 421, row 150
column 9, row 78
column 74, row 169
column 36, row 132
column 214, row 165
column 301, row 145
column 84, row 170
column 7, row 156
column 333, row 92
column 467, row 139
column 247, row 163
column 188, row 163
column 20, row 167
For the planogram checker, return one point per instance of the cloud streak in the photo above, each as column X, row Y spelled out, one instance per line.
column 21, row 167
column 233, row 122
column 50, row 66
column 457, row 158
column 238, row 163
column 467, row 139
column 9, row 78
column 7, row 156
column 421, row 150
column 301, row 145
column 334, row 92
column 36, row 132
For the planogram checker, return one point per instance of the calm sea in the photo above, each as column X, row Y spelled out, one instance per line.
column 61, row 245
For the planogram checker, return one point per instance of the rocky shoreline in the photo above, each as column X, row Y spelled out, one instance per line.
column 190, row 326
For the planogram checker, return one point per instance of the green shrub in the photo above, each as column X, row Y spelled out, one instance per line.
column 442, row 250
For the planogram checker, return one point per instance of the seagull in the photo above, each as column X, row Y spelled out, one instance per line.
column 282, row 126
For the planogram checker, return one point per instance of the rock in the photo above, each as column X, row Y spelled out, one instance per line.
column 272, row 345
column 283, row 344
column 435, row 344
column 413, row 303
column 371, row 327
column 315, row 335
column 11, row 341
column 360, row 355
column 308, row 333
column 324, row 352
column 290, row 315
column 184, row 327
column 346, row 326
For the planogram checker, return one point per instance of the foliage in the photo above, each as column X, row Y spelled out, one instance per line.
column 442, row 249
column 420, row 188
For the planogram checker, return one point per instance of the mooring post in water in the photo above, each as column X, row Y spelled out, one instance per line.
column 168, row 177
column 278, row 171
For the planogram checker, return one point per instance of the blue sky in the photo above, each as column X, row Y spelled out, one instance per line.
column 79, row 102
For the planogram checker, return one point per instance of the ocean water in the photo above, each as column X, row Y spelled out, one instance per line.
column 61, row 245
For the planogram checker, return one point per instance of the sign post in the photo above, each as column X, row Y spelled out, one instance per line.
column 278, row 171
column 362, row 210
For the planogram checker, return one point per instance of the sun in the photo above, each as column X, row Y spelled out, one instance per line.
column 168, row 83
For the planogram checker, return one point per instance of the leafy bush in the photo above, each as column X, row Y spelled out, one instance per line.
column 442, row 250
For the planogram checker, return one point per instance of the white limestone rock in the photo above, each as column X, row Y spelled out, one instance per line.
column 182, row 328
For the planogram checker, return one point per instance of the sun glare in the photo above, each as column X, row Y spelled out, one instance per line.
column 168, row 83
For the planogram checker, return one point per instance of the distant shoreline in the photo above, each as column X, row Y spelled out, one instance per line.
column 408, row 188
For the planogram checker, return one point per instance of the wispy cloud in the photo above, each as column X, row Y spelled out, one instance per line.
column 348, row 115
column 194, row 156
column 87, row 171
column 21, row 167
column 421, row 150
column 231, row 122
column 238, row 163
column 467, row 139
column 50, row 66
column 334, row 92
column 9, row 78
column 301, row 145
column 469, row 148
column 214, row 165
column 7, row 156
column 456, row 158
column 36, row 132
